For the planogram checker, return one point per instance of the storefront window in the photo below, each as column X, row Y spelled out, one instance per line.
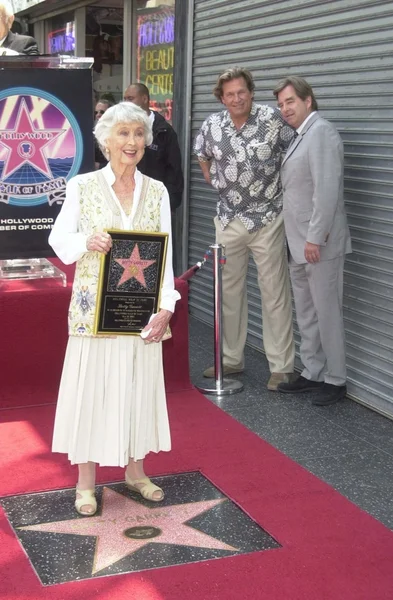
column 104, row 43
column 61, row 34
column 155, row 52
column 154, row 49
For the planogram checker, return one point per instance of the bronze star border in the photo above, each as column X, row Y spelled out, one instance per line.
column 195, row 522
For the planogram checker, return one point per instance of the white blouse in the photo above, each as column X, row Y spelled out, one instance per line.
column 69, row 244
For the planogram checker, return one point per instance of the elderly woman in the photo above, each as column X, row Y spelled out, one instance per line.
column 112, row 407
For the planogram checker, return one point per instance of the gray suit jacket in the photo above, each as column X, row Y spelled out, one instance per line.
column 312, row 175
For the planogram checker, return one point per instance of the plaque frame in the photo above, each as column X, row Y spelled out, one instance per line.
column 108, row 299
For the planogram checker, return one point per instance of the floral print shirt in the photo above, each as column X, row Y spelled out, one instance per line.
column 245, row 164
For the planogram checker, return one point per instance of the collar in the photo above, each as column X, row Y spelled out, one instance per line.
column 110, row 177
column 3, row 40
column 151, row 117
column 302, row 126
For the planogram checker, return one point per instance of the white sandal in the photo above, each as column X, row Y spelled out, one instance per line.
column 87, row 498
column 145, row 487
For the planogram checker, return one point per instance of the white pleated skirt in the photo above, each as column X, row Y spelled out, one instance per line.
column 112, row 404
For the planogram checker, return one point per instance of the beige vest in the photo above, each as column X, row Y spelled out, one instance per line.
column 99, row 211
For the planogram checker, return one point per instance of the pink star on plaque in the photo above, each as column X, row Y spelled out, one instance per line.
column 25, row 144
column 125, row 526
column 134, row 267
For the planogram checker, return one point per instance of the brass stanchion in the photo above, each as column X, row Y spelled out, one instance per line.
column 222, row 387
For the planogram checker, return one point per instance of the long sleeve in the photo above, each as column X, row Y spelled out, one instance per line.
column 174, row 180
column 326, row 164
column 65, row 239
column 31, row 47
column 168, row 293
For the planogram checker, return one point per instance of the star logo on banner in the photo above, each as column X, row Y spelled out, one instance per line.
column 134, row 267
column 26, row 144
column 126, row 526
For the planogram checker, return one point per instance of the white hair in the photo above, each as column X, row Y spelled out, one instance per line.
column 7, row 9
column 124, row 112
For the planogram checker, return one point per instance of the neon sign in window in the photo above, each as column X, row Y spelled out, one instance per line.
column 62, row 41
column 156, row 35
column 156, row 32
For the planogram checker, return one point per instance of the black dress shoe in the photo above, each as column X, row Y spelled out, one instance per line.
column 300, row 385
column 330, row 394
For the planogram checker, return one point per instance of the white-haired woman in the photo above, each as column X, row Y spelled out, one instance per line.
column 111, row 408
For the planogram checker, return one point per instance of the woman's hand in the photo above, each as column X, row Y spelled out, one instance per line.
column 157, row 326
column 99, row 242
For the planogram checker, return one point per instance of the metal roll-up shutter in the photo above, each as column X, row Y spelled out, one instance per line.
column 344, row 50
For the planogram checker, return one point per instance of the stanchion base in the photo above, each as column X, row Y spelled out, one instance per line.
column 228, row 386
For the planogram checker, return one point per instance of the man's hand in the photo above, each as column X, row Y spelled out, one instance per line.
column 311, row 253
column 205, row 166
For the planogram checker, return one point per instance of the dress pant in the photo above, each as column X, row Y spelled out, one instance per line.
column 318, row 294
column 267, row 246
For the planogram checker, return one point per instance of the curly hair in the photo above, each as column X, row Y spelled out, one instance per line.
column 233, row 73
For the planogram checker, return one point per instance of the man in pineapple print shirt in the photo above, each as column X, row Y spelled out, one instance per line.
column 240, row 151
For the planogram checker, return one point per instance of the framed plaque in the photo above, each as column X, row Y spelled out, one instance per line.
column 130, row 282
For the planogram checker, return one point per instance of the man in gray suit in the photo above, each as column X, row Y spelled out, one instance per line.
column 312, row 175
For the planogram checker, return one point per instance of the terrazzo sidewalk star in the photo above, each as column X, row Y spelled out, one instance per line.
column 134, row 267
column 126, row 526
